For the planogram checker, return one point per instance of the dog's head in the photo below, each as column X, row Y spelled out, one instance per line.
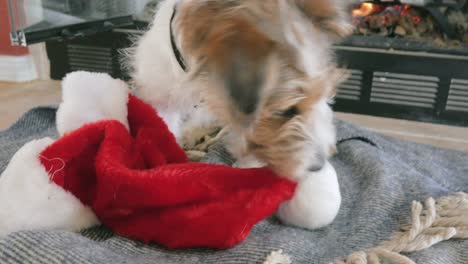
column 266, row 68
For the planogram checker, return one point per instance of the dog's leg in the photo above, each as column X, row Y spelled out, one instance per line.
column 198, row 124
column 173, row 120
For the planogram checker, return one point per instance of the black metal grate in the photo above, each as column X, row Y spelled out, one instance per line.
column 89, row 58
column 351, row 88
column 404, row 89
column 422, row 86
column 458, row 96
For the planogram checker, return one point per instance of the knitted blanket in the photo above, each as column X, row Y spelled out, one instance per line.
column 379, row 179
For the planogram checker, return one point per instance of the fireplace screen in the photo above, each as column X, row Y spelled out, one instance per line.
column 34, row 21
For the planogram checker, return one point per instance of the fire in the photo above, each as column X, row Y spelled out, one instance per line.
column 365, row 9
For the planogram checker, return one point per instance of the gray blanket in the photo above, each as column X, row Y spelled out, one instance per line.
column 379, row 178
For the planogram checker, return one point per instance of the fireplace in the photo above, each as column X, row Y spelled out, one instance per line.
column 442, row 25
column 408, row 59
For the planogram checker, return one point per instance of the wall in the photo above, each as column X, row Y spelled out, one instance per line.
column 5, row 44
column 19, row 64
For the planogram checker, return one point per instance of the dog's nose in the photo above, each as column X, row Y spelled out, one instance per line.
column 317, row 164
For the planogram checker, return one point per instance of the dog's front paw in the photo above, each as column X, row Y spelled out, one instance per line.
column 248, row 161
column 316, row 201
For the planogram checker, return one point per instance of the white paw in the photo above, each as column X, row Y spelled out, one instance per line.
column 316, row 201
column 172, row 119
column 248, row 162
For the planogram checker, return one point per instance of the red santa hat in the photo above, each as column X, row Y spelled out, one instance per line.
column 116, row 163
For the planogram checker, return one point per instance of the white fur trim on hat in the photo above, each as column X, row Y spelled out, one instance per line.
column 89, row 97
column 30, row 201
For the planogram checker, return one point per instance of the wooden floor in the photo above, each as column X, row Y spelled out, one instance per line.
column 450, row 137
column 17, row 98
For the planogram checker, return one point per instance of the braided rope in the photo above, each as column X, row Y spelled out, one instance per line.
column 198, row 152
column 430, row 224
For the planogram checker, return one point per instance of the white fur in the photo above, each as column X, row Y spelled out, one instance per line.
column 322, row 125
column 160, row 79
column 90, row 97
column 30, row 201
column 316, row 201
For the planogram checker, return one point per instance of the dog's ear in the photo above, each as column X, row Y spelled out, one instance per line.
column 229, row 48
column 330, row 15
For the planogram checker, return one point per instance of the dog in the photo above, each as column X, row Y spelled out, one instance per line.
column 264, row 69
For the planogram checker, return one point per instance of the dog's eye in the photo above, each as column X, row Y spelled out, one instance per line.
column 289, row 113
column 255, row 145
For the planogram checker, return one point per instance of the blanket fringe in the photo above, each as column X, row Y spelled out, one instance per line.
column 432, row 223
column 277, row 257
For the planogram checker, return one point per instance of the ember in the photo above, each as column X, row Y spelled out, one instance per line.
column 395, row 21
column 416, row 23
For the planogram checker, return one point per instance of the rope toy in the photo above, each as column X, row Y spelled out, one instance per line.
column 436, row 221
column 198, row 152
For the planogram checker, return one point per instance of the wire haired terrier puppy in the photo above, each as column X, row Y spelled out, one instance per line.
column 263, row 68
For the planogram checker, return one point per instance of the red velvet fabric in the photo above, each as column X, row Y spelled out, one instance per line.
column 140, row 184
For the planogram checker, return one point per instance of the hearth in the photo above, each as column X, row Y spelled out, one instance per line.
column 408, row 59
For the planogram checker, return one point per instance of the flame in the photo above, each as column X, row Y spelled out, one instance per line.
column 365, row 9
column 416, row 20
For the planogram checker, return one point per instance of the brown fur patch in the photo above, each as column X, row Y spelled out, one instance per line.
column 317, row 9
column 227, row 46
column 327, row 14
column 214, row 30
column 234, row 36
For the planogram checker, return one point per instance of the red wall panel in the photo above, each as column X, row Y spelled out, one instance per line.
column 5, row 44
